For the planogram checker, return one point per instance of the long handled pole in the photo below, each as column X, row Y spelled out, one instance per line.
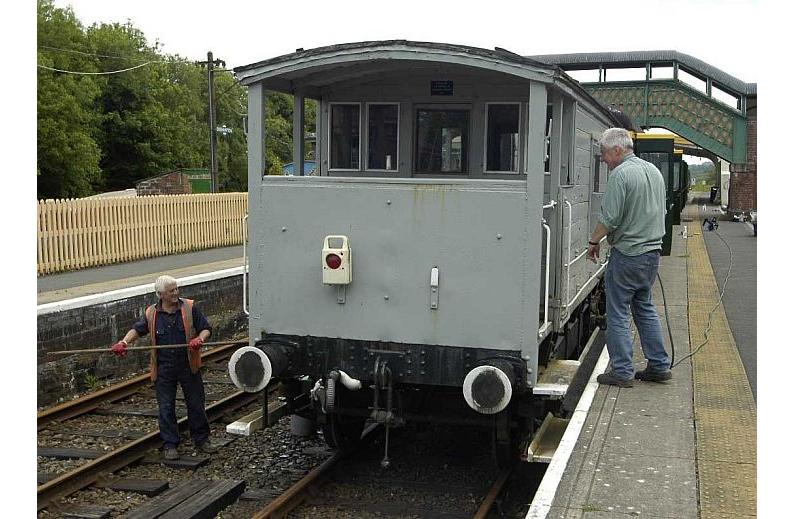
column 161, row 347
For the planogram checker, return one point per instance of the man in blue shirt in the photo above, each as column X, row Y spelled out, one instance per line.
column 632, row 217
column 175, row 321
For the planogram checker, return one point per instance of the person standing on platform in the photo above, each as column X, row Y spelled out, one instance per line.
column 173, row 320
column 632, row 217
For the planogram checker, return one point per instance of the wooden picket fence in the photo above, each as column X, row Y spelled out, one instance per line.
column 75, row 234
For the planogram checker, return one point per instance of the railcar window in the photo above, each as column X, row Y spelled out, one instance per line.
column 676, row 175
column 502, row 138
column 596, row 162
column 345, row 145
column 442, row 141
column 661, row 161
column 548, row 125
column 382, row 143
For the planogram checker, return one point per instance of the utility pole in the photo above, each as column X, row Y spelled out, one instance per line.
column 212, row 117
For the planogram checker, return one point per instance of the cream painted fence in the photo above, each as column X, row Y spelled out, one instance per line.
column 74, row 234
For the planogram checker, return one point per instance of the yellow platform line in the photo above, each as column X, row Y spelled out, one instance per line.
column 725, row 411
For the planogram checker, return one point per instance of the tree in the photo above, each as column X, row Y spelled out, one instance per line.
column 148, row 114
column 67, row 156
column 150, row 119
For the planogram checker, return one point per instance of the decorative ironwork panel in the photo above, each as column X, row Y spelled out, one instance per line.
column 629, row 99
column 712, row 123
column 691, row 110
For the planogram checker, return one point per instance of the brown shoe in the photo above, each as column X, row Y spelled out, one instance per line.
column 171, row 453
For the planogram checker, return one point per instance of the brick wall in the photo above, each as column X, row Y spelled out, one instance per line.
column 173, row 183
column 743, row 194
column 100, row 325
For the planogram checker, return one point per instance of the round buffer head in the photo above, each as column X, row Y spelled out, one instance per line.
column 487, row 389
column 250, row 369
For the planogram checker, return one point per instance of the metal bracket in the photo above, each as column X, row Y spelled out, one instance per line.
column 340, row 293
column 434, row 288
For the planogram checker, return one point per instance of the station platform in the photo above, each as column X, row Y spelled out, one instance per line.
column 685, row 448
column 100, row 280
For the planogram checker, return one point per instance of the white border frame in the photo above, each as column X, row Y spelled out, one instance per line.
column 486, row 138
column 330, row 128
column 397, row 150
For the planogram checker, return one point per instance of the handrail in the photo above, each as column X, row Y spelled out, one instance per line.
column 542, row 329
column 602, row 266
column 546, row 280
column 569, row 263
column 244, row 265
column 569, row 240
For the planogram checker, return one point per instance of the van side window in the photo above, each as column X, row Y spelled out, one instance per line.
column 502, row 137
column 383, row 136
column 345, row 142
column 442, row 141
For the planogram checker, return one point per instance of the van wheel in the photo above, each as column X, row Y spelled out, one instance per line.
column 342, row 432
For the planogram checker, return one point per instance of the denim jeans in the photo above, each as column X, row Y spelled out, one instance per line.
column 170, row 374
column 629, row 281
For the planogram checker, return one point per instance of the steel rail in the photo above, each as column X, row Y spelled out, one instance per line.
column 92, row 401
column 89, row 472
column 284, row 503
column 491, row 496
column 294, row 495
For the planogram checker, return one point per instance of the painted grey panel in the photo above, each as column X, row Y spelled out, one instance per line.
column 454, row 227
column 583, row 158
column 582, row 176
column 581, row 139
column 576, row 194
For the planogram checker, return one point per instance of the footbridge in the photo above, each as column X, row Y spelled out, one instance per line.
column 683, row 94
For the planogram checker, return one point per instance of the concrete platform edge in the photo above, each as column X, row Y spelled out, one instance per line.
column 543, row 500
column 124, row 293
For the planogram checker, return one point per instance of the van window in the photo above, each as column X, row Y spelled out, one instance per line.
column 442, row 141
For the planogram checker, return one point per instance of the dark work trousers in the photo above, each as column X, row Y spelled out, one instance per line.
column 173, row 368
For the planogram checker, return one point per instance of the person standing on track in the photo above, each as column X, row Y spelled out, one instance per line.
column 632, row 216
column 173, row 320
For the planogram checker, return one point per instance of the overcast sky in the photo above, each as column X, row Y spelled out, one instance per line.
column 243, row 32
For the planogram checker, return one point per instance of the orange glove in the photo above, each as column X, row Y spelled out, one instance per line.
column 196, row 343
column 120, row 349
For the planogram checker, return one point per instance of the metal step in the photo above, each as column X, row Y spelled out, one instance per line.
column 545, row 442
column 556, row 378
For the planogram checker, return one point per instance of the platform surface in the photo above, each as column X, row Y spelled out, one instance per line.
column 685, row 448
column 97, row 280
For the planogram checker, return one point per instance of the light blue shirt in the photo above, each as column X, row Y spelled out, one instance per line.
column 634, row 206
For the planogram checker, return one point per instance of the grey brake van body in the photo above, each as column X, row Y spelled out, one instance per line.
column 443, row 232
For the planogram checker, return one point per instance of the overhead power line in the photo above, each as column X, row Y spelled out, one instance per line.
column 72, row 51
column 95, row 73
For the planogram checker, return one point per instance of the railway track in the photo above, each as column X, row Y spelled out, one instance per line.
column 271, row 474
column 335, row 489
column 100, row 463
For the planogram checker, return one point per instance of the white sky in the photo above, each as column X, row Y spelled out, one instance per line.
column 244, row 32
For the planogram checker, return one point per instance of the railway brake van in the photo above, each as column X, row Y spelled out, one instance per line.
column 434, row 269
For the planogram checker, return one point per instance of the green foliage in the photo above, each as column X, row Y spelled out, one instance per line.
column 106, row 132
column 67, row 155
column 91, row 382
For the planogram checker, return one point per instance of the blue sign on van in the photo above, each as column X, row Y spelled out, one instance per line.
column 441, row 88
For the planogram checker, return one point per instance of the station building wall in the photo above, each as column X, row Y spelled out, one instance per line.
column 100, row 325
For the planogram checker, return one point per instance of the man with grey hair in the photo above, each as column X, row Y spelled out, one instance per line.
column 173, row 320
column 632, row 217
